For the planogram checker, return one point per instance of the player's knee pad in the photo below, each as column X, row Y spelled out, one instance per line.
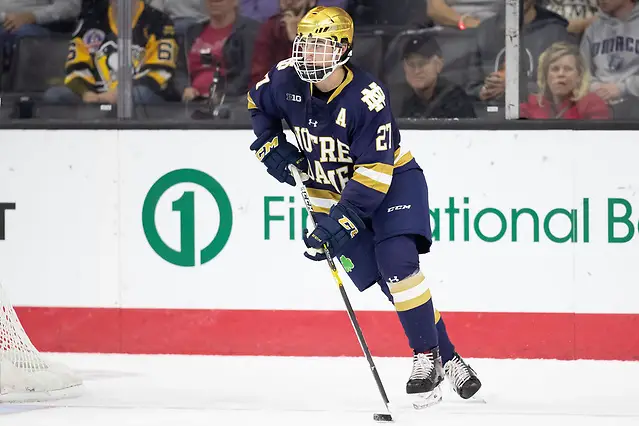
column 397, row 257
column 398, row 262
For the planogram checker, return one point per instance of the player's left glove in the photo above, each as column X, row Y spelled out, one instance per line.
column 277, row 154
column 336, row 229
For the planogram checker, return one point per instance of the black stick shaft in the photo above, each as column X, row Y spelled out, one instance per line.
column 362, row 342
column 349, row 308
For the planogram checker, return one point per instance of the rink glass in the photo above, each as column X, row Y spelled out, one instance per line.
column 472, row 58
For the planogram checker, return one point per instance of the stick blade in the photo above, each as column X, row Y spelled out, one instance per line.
column 383, row 417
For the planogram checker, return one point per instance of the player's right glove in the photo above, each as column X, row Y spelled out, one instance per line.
column 277, row 154
column 314, row 254
column 336, row 229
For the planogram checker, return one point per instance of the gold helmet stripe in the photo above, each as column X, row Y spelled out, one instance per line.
column 327, row 22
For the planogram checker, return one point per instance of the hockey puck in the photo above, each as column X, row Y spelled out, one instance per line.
column 382, row 417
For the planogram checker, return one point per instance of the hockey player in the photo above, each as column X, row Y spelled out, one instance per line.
column 369, row 195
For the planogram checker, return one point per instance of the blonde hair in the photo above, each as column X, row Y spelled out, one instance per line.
column 551, row 55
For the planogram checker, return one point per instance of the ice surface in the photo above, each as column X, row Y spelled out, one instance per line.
column 127, row 390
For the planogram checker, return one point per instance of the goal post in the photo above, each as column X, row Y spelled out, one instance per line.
column 25, row 374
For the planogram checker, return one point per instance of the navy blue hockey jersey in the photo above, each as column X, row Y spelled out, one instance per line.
column 351, row 141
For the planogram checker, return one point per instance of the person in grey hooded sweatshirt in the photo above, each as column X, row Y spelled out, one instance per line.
column 21, row 18
column 610, row 48
column 486, row 78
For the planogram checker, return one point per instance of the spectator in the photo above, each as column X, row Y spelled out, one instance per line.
column 261, row 10
column 227, row 38
column 610, row 47
column 432, row 96
column 486, row 69
column 461, row 14
column 579, row 13
column 564, row 84
column 93, row 58
column 184, row 13
column 21, row 18
column 275, row 38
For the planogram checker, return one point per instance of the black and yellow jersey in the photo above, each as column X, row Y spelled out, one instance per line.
column 92, row 61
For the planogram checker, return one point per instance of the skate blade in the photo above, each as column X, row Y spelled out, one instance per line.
column 427, row 399
column 477, row 398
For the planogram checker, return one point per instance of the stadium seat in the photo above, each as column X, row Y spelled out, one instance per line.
column 368, row 53
column 37, row 64
column 183, row 53
column 4, row 67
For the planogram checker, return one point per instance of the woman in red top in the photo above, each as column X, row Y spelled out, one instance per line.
column 564, row 84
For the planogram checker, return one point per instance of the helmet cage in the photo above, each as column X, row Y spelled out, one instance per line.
column 315, row 58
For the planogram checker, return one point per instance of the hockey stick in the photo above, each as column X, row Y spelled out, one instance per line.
column 380, row 417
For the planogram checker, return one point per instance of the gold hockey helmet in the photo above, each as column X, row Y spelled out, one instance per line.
column 324, row 41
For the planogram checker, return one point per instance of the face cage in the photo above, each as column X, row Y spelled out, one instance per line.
column 316, row 58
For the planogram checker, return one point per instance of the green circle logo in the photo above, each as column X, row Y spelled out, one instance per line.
column 185, row 205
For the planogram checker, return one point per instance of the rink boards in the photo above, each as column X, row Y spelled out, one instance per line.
column 179, row 242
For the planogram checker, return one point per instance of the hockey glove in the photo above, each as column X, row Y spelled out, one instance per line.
column 314, row 254
column 337, row 229
column 277, row 155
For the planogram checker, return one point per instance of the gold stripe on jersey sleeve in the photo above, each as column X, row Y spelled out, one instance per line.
column 377, row 176
column 251, row 104
column 402, row 157
column 323, row 193
column 371, row 183
column 78, row 55
column 322, row 199
column 318, row 209
column 386, row 169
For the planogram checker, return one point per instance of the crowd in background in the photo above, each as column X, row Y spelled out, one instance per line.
column 441, row 59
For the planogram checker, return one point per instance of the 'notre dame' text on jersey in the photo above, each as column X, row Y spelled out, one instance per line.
column 92, row 61
column 351, row 141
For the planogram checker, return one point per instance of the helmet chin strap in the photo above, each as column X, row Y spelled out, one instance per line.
column 345, row 59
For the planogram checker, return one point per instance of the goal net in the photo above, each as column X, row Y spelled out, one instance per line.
column 24, row 373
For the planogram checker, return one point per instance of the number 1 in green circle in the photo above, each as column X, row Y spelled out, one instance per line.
column 185, row 205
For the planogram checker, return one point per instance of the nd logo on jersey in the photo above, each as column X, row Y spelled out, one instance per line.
column 374, row 97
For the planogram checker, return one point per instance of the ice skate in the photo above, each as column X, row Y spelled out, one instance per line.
column 462, row 377
column 425, row 380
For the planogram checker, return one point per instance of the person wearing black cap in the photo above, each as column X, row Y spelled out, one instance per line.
column 432, row 96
